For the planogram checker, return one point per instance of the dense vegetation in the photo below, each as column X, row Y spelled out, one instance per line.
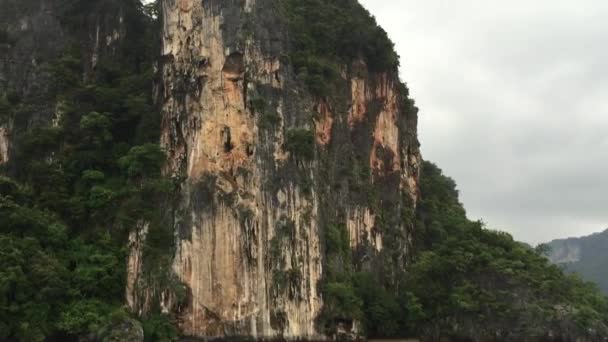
column 592, row 263
column 464, row 280
column 473, row 276
column 80, row 186
column 342, row 31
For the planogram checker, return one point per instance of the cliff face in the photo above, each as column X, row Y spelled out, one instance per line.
column 265, row 168
column 286, row 201
column 585, row 256
column 34, row 34
column 31, row 35
column 565, row 252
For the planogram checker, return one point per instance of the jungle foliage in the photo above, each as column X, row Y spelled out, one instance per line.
column 592, row 263
column 342, row 31
column 79, row 186
column 464, row 280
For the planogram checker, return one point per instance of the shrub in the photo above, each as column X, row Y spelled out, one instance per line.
column 341, row 32
column 159, row 328
column 300, row 143
column 342, row 301
column 143, row 161
column 6, row 109
column 6, row 38
column 269, row 118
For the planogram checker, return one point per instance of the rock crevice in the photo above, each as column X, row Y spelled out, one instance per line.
column 260, row 159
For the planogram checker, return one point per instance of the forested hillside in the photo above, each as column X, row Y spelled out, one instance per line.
column 97, row 180
column 586, row 256
column 75, row 186
column 472, row 281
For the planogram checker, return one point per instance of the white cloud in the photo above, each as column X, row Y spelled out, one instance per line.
column 512, row 106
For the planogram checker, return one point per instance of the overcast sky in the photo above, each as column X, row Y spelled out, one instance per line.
column 514, row 106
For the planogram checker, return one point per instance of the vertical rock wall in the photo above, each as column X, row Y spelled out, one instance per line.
column 250, row 257
column 36, row 33
column 249, row 221
column 4, row 145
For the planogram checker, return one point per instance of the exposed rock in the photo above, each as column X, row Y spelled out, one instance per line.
column 128, row 330
column 361, row 228
column 324, row 123
column 134, row 265
column 251, row 215
column 565, row 253
column 40, row 34
column 587, row 256
column 4, row 145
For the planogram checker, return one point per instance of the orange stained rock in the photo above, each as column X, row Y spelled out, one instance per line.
column 324, row 123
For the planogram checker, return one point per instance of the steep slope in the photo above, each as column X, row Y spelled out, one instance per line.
column 77, row 122
column 270, row 165
column 586, row 256
column 35, row 33
column 259, row 178
column 475, row 284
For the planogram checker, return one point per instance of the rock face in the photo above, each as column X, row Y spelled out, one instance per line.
column 4, row 144
column 585, row 256
column 228, row 218
column 565, row 252
column 34, row 34
column 264, row 166
column 252, row 212
column 127, row 330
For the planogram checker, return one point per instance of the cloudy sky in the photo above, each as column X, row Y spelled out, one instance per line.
column 514, row 106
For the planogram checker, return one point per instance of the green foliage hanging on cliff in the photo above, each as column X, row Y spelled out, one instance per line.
column 80, row 186
column 471, row 281
column 49, row 280
column 341, row 32
column 464, row 281
column 300, row 143
column 341, row 302
column 591, row 260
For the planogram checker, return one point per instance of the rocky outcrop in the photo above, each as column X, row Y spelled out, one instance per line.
column 565, row 252
column 585, row 256
column 4, row 145
column 235, row 237
column 34, row 34
column 125, row 330
column 265, row 167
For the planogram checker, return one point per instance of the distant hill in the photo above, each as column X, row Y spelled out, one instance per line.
column 587, row 256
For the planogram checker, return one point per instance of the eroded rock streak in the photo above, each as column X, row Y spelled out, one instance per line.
column 250, row 218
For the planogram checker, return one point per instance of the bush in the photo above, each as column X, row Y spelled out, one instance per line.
column 159, row 328
column 82, row 185
column 6, row 38
column 465, row 274
column 6, row 109
column 84, row 316
column 143, row 161
column 341, row 32
column 300, row 143
column 342, row 301
column 269, row 118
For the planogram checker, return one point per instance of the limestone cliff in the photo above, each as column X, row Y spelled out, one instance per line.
column 280, row 198
column 585, row 256
column 265, row 167
column 34, row 35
